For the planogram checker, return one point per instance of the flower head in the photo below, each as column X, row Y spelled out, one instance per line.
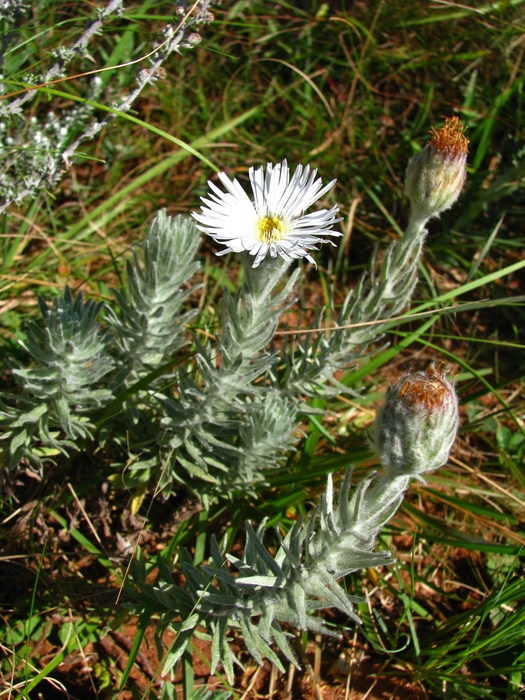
column 273, row 221
column 436, row 174
column 417, row 425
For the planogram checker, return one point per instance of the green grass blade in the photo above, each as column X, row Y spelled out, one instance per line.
column 142, row 625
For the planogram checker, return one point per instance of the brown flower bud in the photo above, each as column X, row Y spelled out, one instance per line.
column 417, row 425
column 435, row 175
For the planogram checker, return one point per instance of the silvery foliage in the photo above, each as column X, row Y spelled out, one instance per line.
column 258, row 592
column 269, row 590
column 234, row 413
column 208, row 428
column 83, row 368
column 226, row 426
column 36, row 150
column 148, row 321
column 12, row 12
column 150, row 324
column 58, row 396
column 310, row 366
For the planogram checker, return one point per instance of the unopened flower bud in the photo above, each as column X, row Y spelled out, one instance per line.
column 435, row 175
column 417, row 425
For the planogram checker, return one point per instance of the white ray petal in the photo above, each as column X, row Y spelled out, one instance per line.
column 273, row 222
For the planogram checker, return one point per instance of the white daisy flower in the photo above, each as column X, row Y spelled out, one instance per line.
column 273, row 222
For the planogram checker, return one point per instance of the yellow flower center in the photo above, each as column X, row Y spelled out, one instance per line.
column 270, row 229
